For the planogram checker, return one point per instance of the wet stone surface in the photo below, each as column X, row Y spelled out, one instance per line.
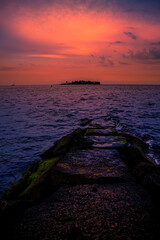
column 107, row 141
column 94, row 163
column 100, row 132
column 102, row 123
column 90, row 212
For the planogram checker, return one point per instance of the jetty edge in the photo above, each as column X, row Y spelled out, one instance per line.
column 97, row 182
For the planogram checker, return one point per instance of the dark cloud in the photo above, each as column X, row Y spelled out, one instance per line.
column 155, row 43
column 117, row 42
column 110, row 62
column 144, row 55
column 102, row 60
column 5, row 68
column 37, row 4
column 128, row 6
column 144, row 6
column 131, row 28
column 131, row 35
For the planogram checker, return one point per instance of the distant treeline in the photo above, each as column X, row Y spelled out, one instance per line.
column 80, row 82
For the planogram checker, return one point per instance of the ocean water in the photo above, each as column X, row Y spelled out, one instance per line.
column 32, row 118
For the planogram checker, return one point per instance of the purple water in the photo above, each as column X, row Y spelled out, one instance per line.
column 33, row 117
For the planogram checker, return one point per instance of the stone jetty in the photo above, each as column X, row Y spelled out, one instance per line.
column 97, row 183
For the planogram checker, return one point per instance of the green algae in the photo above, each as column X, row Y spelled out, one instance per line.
column 22, row 183
column 90, row 131
column 120, row 139
column 36, row 171
column 135, row 141
column 41, row 171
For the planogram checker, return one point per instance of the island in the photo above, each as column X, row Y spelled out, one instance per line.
column 80, row 82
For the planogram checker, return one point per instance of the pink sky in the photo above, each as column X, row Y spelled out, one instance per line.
column 54, row 42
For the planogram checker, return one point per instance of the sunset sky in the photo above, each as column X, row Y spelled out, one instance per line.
column 51, row 41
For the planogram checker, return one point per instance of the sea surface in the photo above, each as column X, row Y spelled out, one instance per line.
column 32, row 118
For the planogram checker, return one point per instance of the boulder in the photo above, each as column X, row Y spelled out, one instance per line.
column 64, row 144
column 143, row 169
column 34, row 182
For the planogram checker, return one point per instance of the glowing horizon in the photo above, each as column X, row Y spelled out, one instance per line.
column 55, row 42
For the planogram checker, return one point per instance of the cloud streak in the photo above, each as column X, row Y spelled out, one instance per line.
column 6, row 68
column 103, row 61
column 116, row 42
column 130, row 35
column 145, row 54
column 156, row 43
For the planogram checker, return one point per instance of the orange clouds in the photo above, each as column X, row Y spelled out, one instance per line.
column 76, row 29
column 64, row 43
column 46, row 56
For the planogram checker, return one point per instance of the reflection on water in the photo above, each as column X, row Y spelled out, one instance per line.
column 33, row 117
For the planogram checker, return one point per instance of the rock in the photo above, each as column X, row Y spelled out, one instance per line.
column 102, row 123
column 149, row 176
column 100, row 132
column 135, row 155
column 33, row 183
column 20, row 185
column 143, row 169
column 64, row 144
column 152, row 181
column 152, row 184
column 135, row 151
column 107, row 142
column 94, row 164
column 85, row 121
column 135, row 141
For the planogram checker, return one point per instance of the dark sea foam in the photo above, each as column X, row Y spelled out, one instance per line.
column 33, row 117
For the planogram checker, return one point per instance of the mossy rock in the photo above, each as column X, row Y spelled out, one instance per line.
column 136, row 150
column 135, row 141
column 107, row 142
column 90, row 131
column 133, row 155
column 85, row 122
column 121, row 140
column 152, row 181
column 22, row 183
column 152, row 184
column 35, row 181
column 149, row 176
column 64, row 144
column 31, row 181
column 142, row 169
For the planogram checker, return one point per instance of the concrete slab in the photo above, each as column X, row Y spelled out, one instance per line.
column 94, row 163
